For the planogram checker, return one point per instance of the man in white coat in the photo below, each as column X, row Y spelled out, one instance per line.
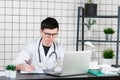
column 42, row 53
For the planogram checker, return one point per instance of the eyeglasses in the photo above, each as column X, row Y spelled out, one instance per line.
column 54, row 35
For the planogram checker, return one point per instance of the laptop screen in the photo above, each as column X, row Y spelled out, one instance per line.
column 76, row 62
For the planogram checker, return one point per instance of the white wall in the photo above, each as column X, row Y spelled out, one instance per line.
column 20, row 23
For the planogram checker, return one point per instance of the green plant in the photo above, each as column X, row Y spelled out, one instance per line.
column 13, row 67
column 108, row 53
column 90, row 23
column 10, row 67
column 109, row 30
column 90, row 1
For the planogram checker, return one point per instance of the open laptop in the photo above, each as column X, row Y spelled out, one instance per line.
column 75, row 63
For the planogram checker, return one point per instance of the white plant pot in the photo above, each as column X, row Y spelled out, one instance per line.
column 107, row 61
column 89, row 34
column 7, row 73
column 13, row 74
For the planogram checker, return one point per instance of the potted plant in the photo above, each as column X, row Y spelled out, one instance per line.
column 90, row 8
column 11, row 71
column 108, row 33
column 89, row 24
column 108, row 54
column 7, row 70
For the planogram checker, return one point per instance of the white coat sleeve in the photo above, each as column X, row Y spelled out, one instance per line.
column 20, row 59
column 23, row 55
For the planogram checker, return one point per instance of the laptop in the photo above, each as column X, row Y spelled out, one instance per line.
column 75, row 63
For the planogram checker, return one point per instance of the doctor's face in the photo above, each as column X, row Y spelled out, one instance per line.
column 49, row 35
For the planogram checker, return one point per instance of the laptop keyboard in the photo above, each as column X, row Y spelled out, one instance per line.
column 48, row 70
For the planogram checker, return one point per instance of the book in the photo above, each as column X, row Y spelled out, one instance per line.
column 98, row 72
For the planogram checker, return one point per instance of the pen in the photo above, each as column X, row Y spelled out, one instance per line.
column 27, row 62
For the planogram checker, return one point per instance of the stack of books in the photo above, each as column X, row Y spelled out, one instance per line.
column 98, row 72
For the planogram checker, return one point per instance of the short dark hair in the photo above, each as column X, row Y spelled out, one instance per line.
column 49, row 23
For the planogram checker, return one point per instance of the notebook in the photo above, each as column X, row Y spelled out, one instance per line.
column 75, row 63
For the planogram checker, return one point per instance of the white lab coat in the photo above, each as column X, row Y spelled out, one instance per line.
column 30, row 53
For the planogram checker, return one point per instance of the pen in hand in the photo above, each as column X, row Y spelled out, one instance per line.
column 28, row 66
column 28, row 62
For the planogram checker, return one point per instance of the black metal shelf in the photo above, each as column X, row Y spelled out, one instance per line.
column 114, row 41
column 82, row 16
column 99, row 16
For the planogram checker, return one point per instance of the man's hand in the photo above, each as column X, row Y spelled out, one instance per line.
column 25, row 67
column 28, row 67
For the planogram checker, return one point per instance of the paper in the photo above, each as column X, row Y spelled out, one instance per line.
column 2, row 73
column 39, row 71
column 93, row 65
column 104, row 70
column 108, row 69
column 24, row 72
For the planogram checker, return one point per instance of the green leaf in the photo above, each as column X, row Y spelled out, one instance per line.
column 90, row 23
column 109, row 30
column 108, row 53
column 10, row 67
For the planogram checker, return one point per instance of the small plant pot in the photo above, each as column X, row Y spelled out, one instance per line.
column 108, row 37
column 7, row 73
column 89, row 34
column 90, row 9
column 13, row 74
column 107, row 61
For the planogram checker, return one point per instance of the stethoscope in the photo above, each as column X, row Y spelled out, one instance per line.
column 51, row 52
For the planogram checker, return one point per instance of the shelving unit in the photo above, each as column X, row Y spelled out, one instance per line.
column 82, row 40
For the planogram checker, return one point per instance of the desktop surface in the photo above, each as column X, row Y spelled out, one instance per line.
column 49, row 77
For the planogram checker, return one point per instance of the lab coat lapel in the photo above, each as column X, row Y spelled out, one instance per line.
column 50, row 51
column 42, row 53
column 50, row 59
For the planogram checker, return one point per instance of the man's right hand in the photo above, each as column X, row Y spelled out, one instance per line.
column 25, row 67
